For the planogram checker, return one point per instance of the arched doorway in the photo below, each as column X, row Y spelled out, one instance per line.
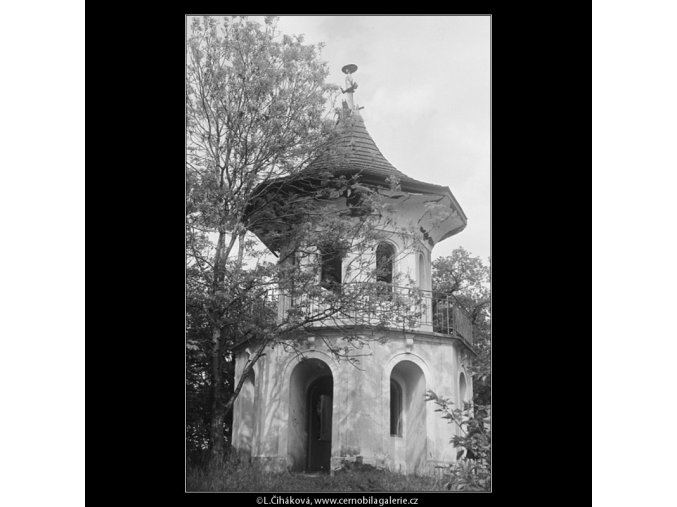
column 319, row 424
column 310, row 416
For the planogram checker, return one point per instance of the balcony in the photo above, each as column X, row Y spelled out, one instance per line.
column 378, row 305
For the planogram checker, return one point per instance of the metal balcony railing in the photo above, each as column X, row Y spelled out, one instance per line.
column 376, row 304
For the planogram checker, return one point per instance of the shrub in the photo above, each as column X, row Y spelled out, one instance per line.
column 472, row 470
column 240, row 475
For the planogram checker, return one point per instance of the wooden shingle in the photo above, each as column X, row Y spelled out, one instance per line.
column 354, row 151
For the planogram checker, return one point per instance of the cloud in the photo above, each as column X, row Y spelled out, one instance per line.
column 404, row 102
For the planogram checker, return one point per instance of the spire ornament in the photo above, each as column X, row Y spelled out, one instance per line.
column 351, row 84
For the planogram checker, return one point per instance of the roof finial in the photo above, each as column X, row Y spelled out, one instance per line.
column 351, row 85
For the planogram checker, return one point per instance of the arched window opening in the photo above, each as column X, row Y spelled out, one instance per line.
column 385, row 254
column 461, row 391
column 293, row 262
column 358, row 201
column 421, row 271
column 395, row 409
column 288, row 257
column 331, row 268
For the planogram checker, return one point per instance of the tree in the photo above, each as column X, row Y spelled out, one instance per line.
column 257, row 113
column 467, row 279
column 254, row 109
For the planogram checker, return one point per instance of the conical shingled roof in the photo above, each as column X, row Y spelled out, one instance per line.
column 354, row 151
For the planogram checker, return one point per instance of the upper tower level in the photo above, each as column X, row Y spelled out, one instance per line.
column 430, row 209
column 413, row 215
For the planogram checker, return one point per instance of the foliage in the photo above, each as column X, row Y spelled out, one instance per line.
column 472, row 470
column 257, row 109
column 255, row 102
column 466, row 278
column 238, row 475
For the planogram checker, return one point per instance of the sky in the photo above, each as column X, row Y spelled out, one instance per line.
column 424, row 83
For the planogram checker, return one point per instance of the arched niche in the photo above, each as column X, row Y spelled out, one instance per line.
column 462, row 391
column 412, row 425
column 247, row 411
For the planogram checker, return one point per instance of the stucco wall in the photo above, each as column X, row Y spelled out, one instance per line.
column 361, row 403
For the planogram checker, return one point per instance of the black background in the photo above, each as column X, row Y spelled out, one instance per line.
column 541, row 105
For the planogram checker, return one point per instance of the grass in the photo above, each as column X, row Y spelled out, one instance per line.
column 247, row 477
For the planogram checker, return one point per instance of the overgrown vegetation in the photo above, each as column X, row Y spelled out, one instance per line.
column 258, row 108
column 243, row 476
column 255, row 104
column 472, row 470
column 467, row 279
